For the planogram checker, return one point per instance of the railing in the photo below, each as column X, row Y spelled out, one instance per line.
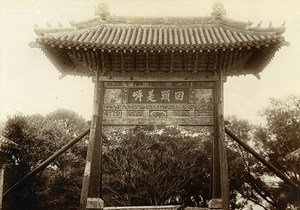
column 166, row 207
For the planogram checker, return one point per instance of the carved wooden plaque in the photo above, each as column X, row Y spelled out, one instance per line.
column 159, row 103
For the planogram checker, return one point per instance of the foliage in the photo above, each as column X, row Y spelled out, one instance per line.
column 146, row 166
column 155, row 166
column 38, row 137
column 274, row 141
column 279, row 138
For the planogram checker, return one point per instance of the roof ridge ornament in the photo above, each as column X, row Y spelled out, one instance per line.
column 270, row 25
column 218, row 10
column 259, row 24
column 101, row 9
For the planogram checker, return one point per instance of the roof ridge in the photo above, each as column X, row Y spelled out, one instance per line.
column 164, row 21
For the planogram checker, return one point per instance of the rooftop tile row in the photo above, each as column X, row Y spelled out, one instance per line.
column 122, row 36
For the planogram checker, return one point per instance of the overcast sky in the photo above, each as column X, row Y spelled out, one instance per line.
column 29, row 82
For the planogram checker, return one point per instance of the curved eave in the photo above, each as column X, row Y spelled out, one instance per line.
column 160, row 34
column 61, row 60
column 186, row 47
column 140, row 38
column 257, row 61
column 261, row 59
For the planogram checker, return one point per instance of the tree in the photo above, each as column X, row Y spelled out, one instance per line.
column 58, row 186
column 154, row 167
column 279, row 138
column 239, row 163
column 274, row 141
column 247, row 184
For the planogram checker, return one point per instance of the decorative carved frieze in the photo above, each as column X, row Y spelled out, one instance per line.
column 158, row 103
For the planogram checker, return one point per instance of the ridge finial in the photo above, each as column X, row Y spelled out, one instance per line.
column 102, row 9
column 218, row 11
column 270, row 24
column 259, row 24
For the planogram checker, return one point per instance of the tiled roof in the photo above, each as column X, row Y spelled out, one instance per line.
column 169, row 46
column 7, row 146
column 160, row 34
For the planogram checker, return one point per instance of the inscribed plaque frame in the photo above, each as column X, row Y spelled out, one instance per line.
column 182, row 103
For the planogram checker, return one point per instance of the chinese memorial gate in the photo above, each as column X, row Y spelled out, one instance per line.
column 159, row 71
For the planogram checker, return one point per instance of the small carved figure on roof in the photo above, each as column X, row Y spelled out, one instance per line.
column 102, row 9
column 218, row 10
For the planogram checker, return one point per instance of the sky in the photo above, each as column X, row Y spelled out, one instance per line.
column 30, row 84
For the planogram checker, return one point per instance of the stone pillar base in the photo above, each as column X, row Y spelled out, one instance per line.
column 215, row 203
column 94, row 203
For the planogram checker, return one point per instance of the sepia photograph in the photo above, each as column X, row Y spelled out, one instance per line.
column 149, row 105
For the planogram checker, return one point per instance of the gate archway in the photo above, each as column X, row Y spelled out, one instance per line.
column 159, row 71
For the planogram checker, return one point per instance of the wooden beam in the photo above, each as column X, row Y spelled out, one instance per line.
column 225, row 61
column 231, row 59
column 184, row 60
column 110, row 61
column 221, row 61
column 196, row 62
column 103, row 69
column 235, row 57
column 134, row 60
column 172, row 62
column 163, row 207
column 216, row 180
column 222, row 145
column 95, row 189
column 2, row 169
column 147, row 62
column 94, row 61
column 49, row 160
column 216, row 60
column 159, row 60
column 92, row 179
column 122, row 62
column 84, row 56
column 260, row 158
column 208, row 60
column 90, row 63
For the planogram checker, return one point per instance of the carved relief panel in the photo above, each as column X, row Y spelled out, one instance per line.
column 158, row 103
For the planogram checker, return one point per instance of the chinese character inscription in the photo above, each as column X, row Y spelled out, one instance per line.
column 157, row 95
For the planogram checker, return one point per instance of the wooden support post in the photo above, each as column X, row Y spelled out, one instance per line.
column 216, row 180
column 222, row 146
column 220, row 183
column 215, row 202
column 260, row 158
column 49, row 160
column 92, row 179
column 2, row 169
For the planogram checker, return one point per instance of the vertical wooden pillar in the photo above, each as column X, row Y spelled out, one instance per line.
column 220, row 182
column 92, row 179
column 222, row 146
column 2, row 169
column 216, row 200
column 216, row 177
